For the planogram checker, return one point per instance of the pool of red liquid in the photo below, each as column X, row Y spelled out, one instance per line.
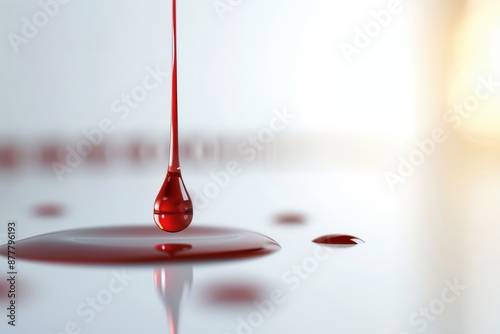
column 143, row 244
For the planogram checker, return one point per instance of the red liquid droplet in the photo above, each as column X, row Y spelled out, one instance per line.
column 173, row 208
column 142, row 244
column 338, row 239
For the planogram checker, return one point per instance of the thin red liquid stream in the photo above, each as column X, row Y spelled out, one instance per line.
column 173, row 208
column 338, row 239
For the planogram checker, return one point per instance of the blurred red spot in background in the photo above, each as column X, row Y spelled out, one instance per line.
column 98, row 155
column 234, row 294
column 49, row 153
column 3, row 290
column 19, row 287
column 290, row 218
column 10, row 157
column 48, row 210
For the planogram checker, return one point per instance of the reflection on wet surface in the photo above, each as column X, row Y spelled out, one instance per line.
column 173, row 284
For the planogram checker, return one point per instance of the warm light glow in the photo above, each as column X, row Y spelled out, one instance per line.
column 478, row 54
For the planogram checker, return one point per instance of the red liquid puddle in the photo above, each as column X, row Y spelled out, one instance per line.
column 173, row 208
column 338, row 239
column 290, row 218
column 173, row 283
column 142, row 244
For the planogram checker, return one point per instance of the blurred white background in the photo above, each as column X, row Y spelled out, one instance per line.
column 356, row 118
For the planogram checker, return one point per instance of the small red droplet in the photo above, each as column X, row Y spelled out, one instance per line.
column 338, row 239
